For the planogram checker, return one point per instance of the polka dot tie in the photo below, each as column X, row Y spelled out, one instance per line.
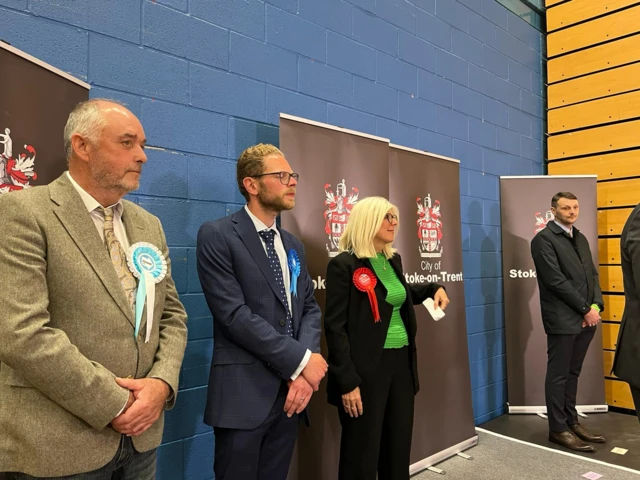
column 274, row 261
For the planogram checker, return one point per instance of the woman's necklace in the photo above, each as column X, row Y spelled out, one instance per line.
column 384, row 261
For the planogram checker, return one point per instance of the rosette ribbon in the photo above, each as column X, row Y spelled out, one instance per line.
column 365, row 281
column 148, row 264
column 294, row 267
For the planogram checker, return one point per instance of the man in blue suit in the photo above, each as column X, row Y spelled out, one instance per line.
column 266, row 360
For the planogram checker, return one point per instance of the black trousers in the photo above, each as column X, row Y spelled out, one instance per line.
column 380, row 440
column 565, row 355
column 263, row 453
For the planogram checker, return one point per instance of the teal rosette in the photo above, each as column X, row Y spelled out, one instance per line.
column 148, row 264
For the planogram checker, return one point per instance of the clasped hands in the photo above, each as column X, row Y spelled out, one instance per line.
column 301, row 389
column 147, row 398
column 591, row 319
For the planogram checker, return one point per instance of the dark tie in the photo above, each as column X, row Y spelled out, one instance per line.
column 274, row 262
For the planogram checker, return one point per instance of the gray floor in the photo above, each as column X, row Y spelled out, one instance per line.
column 620, row 430
column 503, row 459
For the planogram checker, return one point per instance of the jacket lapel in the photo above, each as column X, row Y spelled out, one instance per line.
column 74, row 217
column 246, row 230
column 294, row 301
column 385, row 309
column 132, row 225
column 135, row 233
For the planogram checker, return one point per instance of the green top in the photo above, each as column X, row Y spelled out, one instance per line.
column 396, row 296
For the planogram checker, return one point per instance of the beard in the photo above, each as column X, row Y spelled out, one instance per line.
column 565, row 219
column 273, row 202
column 109, row 180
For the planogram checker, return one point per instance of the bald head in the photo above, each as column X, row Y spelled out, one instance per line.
column 89, row 118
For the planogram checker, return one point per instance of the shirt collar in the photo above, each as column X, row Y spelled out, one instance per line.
column 89, row 202
column 569, row 230
column 260, row 226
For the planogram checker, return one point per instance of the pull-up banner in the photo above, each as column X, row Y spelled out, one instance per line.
column 525, row 204
column 35, row 101
column 337, row 168
column 426, row 190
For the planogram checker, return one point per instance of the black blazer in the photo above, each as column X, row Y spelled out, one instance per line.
column 627, row 359
column 567, row 278
column 354, row 340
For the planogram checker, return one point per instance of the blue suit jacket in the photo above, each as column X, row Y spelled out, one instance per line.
column 252, row 353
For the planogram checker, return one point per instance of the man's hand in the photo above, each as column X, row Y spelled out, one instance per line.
column 315, row 370
column 352, row 403
column 440, row 299
column 298, row 397
column 592, row 318
column 150, row 395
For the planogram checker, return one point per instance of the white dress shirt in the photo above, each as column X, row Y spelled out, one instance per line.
column 569, row 230
column 284, row 264
column 95, row 211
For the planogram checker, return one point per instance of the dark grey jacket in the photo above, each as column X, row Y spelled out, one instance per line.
column 567, row 278
column 627, row 359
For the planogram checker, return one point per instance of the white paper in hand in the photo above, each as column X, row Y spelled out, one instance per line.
column 436, row 312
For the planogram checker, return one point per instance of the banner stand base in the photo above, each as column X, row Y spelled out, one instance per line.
column 442, row 455
column 543, row 409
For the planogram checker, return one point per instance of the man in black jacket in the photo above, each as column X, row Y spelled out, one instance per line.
column 571, row 302
column 627, row 359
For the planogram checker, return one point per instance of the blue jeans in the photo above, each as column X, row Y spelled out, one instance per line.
column 126, row 465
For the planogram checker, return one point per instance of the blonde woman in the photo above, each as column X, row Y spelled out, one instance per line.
column 370, row 326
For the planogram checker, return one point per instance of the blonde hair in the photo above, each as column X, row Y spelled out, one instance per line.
column 364, row 223
column 251, row 162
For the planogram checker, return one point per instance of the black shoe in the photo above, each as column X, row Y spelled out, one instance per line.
column 569, row 440
column 583, row 434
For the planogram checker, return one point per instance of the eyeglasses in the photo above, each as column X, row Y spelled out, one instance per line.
column 390, row 217
column 285, row 177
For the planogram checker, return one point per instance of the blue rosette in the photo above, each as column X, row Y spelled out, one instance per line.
column 294, row 267
column 147, row 263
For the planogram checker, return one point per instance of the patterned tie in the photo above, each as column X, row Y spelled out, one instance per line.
column 119, row 257
column 274, row 261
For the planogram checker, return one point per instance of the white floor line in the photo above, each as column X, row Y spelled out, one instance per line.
column 599, row 462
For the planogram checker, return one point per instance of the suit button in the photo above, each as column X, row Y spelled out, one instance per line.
column 282, row 323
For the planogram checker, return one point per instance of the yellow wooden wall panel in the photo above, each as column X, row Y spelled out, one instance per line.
column 619, row 193
column 551, row 3
column 618, row 394
column 594, row 59
column 595, row 112
column 607, row 167
column 619, row 136
column 609, row 251
column 613, row 307
column 610, row 335
column 578, row 11
column 611, row 279
column 607, row 357
column 603, row 29
column 602, row 84
column 611, row 222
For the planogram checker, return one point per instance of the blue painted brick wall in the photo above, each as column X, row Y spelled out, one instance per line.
column 460, row 78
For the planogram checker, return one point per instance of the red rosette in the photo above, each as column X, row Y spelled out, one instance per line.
column 365, row 281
